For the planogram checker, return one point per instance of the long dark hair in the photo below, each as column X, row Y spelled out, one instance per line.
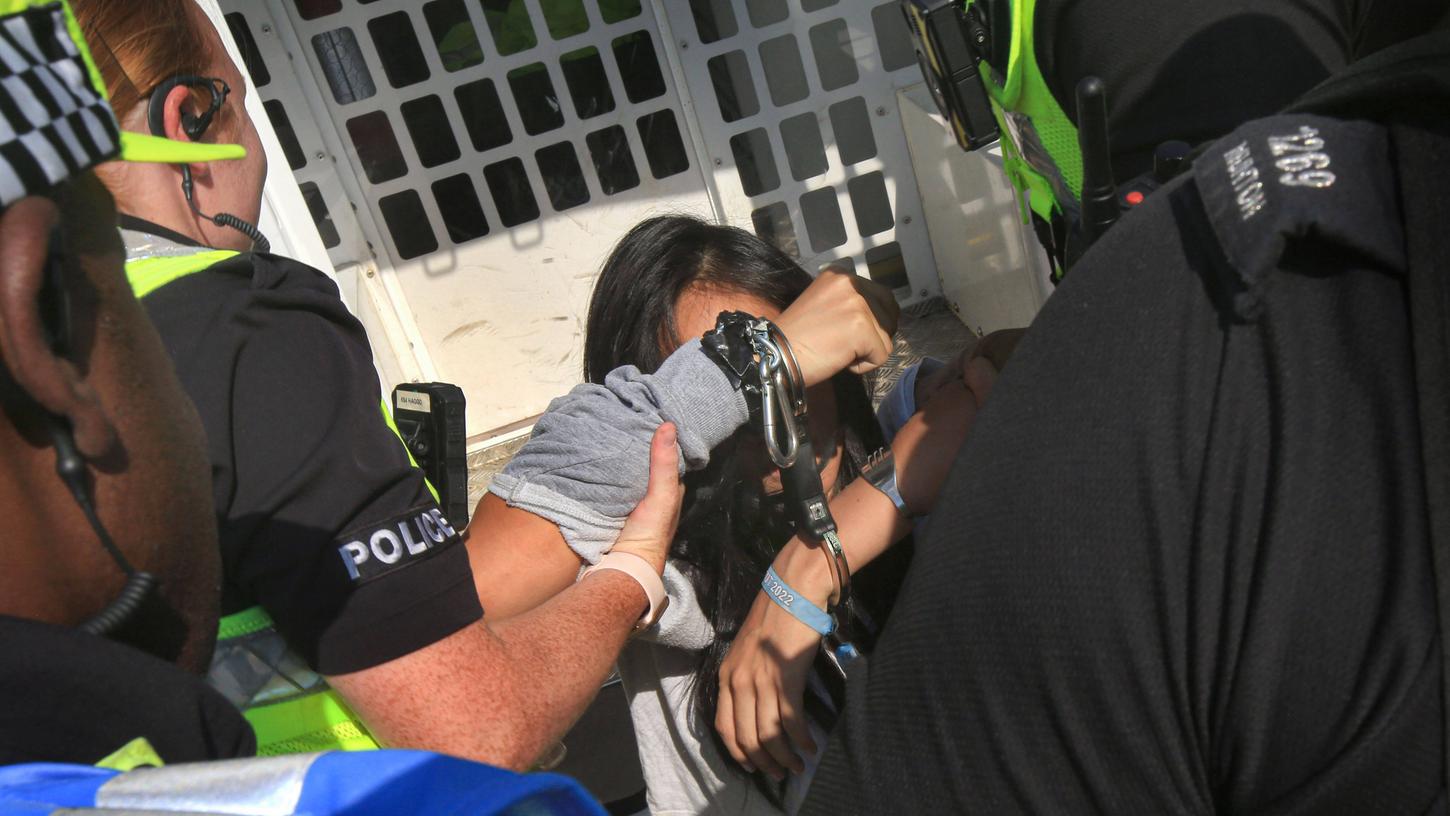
column 730, row 529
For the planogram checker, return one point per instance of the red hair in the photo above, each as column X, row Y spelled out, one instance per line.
column 138, row 44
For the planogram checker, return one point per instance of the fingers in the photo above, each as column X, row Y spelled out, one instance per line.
column 772, row 735
column 725, row 724
column 875, row 353
column 998, row 346
column 762, row 681
column 659, row 510
column 980, row 376
column 877, row 333
column 747, row 731
column 664, row 488
column 882, row 303
column 885, row 315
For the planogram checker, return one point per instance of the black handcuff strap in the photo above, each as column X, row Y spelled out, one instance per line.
column 735, row 345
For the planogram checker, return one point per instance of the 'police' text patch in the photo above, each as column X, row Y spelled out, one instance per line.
column 378, row 549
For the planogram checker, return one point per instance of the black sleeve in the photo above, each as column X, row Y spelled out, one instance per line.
column 1181, row 564
column 69, row 697
column 329, row 525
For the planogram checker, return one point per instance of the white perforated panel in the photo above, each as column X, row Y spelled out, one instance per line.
column 796, row 104
column 484, row 155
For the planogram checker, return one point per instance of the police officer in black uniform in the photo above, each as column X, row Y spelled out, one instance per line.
column 1184, row 563
column 337, row 563
column 108, row 558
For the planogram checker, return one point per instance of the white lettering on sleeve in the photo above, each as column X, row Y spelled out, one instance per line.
column 442, row 522
column 426, row 522
column 414, row 546
column 353, row 553
column 390, row 555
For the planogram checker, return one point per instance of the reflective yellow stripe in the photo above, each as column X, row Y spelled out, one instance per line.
column 135, row 754
column 317, row 722
column 243, row 623
column 1025, row 91
column 149, row 274
column 143, row 147
column 8, row 7
column 73, row 28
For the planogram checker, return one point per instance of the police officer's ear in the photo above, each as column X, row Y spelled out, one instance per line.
column 26, row 347
column 179, row 121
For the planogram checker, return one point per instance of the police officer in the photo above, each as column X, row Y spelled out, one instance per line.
column 1184, row 562
column 111, row 561
column 338, row 565
column 88, row 393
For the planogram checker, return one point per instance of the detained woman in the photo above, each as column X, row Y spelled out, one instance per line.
column 661, row 288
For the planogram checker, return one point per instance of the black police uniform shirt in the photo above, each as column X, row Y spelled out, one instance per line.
column 66, row 696
column 324, row 521
column 1183, row 562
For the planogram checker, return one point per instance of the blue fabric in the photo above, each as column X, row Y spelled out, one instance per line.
column 386, row 783
column 38, row 788
column 793, row 602
column 363, row 783
column 900, row 402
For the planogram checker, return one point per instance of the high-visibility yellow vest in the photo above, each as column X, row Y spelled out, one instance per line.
column 291, row 708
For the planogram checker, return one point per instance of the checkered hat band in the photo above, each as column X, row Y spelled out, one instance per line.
column 53, row 122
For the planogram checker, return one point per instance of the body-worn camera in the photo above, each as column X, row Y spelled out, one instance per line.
column 952, row 43
column 430, row 418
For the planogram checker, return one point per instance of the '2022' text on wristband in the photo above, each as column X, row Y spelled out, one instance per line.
column 796, row 604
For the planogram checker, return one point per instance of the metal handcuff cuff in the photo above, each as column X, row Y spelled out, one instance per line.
column 758, row 359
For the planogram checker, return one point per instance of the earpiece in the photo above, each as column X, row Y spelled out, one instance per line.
column 195, row 126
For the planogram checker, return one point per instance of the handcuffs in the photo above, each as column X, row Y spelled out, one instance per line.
column 758, row 359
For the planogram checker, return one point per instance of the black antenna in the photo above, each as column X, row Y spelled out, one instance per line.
column 1099, row 193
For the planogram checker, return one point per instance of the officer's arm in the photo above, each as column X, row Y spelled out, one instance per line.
column 503, row 693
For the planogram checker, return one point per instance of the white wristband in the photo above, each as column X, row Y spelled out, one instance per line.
column 644, row 574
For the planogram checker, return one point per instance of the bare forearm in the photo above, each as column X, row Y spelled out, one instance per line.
column 562, row 651
column 501, row 694
column 867, row 523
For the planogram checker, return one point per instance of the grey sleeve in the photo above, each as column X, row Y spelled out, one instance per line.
column 587, row 463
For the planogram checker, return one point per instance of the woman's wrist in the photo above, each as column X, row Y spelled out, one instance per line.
column 806, row 569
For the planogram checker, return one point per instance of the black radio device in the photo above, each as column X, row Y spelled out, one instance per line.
column 430, row 418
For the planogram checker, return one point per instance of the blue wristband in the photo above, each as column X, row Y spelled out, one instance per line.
column 796, row 604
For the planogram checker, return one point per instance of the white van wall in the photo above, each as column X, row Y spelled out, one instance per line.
column 471, row 169
column 285, row 219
